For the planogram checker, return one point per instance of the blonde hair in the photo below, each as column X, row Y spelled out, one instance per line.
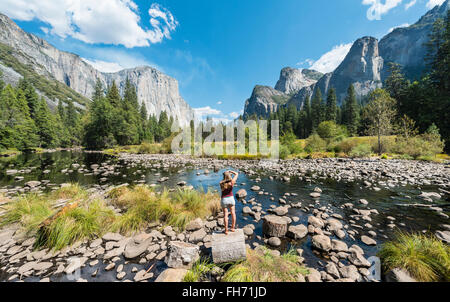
column 226, row 183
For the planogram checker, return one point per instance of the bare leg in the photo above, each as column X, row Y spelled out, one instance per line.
column 225, row 220
column 233, row 218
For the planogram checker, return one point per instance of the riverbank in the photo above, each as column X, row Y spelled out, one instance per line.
column 375, row 173
column 329, row 227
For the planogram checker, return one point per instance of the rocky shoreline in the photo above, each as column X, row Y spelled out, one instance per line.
column 141, row 257
column 373, row 172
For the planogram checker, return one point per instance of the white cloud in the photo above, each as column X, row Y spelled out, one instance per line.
column 410, row 4
column 110, row 59
column 307, row 62
column 432, row 3
column 104, row 66
column 403, row 25
column 329, row 61
column 234, row 115
column 114, row 22
column 219, row 103
column 377, row 8
column 225, row 121
column 206, row 111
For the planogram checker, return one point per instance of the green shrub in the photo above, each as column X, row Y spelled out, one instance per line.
column 315, row 143
column 424, row 145
column 330, row 130
column 346, row 145
column 363, row 150
column 284, row 152
column 147, row 148
column 426, row 258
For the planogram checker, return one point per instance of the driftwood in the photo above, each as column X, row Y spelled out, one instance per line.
column 61, row 212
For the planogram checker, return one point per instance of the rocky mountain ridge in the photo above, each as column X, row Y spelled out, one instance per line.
column 156, row 90
column 365, row 66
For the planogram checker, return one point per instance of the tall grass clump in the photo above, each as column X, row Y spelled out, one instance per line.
column 171, row 208
column 262, row 266
column 71, row 191
column 87, row 221
column 199, row 270
column 125, row 197
column 425, row 257
column 28, row 211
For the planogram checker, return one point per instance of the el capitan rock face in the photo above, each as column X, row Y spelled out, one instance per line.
column 158, row 91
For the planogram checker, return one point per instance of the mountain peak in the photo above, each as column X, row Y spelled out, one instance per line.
column 293, row 79
column 158, row 91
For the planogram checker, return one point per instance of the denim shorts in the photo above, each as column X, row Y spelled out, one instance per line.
column 227, row 202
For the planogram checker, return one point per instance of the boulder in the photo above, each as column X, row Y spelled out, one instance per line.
column 133, row 250
column 443, row 236
column 255, row 188
column 194, row 225
column 313, row 276
column 142, row 275
column 297, row 231
column 228, row 248
column 333, row 225
column 281, row 211
column 274, row 241
column 197, row 236
column 241, row 194
column 181, row 254
column 172, row 275
column 399, row 275
column 274, row 226
column 321, row 242
column 338, row 246
column 350, row 272
column 367, row 240
column 332, row 269
column 112, row 237
column 357, row 259
column 316, row 222
column 33, row 183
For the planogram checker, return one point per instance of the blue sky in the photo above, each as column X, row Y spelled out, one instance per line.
column 217, row 50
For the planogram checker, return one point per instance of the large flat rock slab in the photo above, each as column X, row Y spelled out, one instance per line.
column 228, row 248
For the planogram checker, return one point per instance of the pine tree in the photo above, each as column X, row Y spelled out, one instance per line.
column 2, row 83
column 45, row 124
column 317, row 109
column 99, row 128
column 351, row 114
column 331, row 110
column 308, row 119
column 61, row 111
column 395, row 83
column 31, row 96
column 17, row 129
column 132, row 126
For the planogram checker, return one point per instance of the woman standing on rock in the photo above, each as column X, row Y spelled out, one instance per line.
column 228, row 202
